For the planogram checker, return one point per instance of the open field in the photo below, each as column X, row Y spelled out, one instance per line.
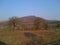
column 17, row 37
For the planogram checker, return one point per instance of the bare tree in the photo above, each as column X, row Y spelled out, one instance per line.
column 13, row 23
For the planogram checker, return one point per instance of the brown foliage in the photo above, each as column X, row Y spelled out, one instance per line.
column 40, row 24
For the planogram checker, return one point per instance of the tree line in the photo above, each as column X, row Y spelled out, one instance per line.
column 39, row 24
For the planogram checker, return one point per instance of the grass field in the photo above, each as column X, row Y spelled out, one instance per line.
column 17, row 37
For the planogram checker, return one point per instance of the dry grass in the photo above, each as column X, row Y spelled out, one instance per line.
column 16, row 37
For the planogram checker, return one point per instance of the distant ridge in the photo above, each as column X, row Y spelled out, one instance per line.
column 53, row 21
column 29, row 19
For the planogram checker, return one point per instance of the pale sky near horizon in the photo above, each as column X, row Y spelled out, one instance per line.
column 48, row 9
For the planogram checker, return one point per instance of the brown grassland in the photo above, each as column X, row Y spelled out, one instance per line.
column 17, row 37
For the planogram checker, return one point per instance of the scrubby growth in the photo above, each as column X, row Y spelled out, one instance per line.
column 54, row 43
column 41, row 24
column 36, row 40
column 37, row 24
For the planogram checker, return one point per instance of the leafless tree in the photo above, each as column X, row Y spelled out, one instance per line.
column 13, row 22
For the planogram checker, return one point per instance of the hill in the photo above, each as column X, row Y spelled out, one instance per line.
column 26, row 36
column 28, row 23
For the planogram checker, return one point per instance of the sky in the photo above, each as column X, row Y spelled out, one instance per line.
column 48, row 9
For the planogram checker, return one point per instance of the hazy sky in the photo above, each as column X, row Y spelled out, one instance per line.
column 48, row 9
